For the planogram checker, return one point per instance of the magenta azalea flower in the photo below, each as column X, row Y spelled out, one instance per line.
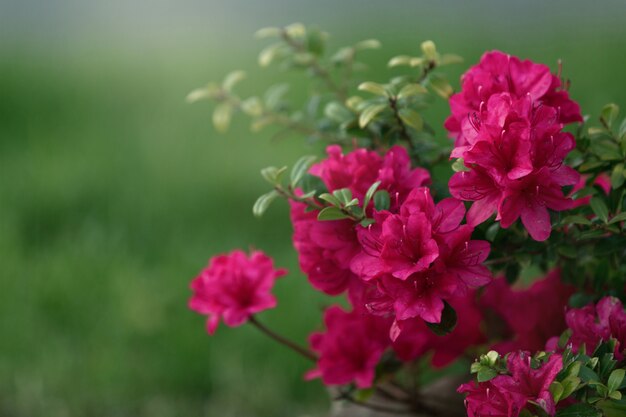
column 507, row 395
column 498, row 72
column 515, row 154
column 592, row 324
column 524, row 311
column 233, row 287
column 419, row 257
column 325, row 249
column 350, row 348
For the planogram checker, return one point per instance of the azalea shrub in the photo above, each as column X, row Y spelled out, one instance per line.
column 504, row 242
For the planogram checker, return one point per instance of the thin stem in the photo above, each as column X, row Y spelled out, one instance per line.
column 403, row 130
column 282, row 340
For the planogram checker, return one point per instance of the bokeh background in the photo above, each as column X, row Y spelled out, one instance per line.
column 114, row 192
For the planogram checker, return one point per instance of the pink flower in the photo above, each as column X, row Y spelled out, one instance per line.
column 419, row 257
column 325, row 249
column 531, row 316
column 416, row 339
column 492, row 398
column 350, row 348
column 507, row 395
column 592, row 324
column 501, row 73
column 233, row 287
column 515, row 155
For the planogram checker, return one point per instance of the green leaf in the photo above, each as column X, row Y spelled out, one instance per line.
column 615, row 379
column 617, row 176
column 599, row 208
column 368, row 44
column 399, row 60
column 411, row 118
column 440, row 85
column 381, row 200
column 343, row 194
column 411, row 90
column 576, row 219
column 221, row 116
column 613, row 408
column 331, row 199
column 570, row 384
column 579, row 410
column 370, row 193
column 447, row 323
column 337, row 112
column 620, row 217
column 267, row 32
column 485, row 374
column 609, row 114
column 299, row 169
column 275, row 94
column 448, row 59
column 273, row 175
column 429, row 49
column 331, row 213
column 374, row 88
column 252, row 106
column 233, row 78
column 556, row 389
column 606, row 150
column 492, row 231
column 269, row 54
column 204, row 93
column 369, row 113
column 263, row 202
column 295, row 30
column 459, row 165
column 315, row 41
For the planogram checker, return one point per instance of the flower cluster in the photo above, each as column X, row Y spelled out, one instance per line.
column 234, row 287
column 325, row 249
column 508, row 395
column 595, row 323
column 419, row 257
column 508, row 122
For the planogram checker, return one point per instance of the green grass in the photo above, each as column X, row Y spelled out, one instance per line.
column 114, row 193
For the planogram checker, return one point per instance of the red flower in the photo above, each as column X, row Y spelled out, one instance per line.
column 525, row 311
column 592, row 324
column 325, row 249
column 419, row 257
column 498, row 72
column 350, row 348
column 233, row 287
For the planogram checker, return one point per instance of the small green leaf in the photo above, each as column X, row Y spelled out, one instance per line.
column 609, row 114
column 486, row 374
column 267, row 32
column 337, row 112
column 374, row 88
column 620, row 217
column 429, row 49
column 221, row 116
column 252, row 106
column 343, row 194
column 411, row 90
column 556, row 389
column 273, row 175
column 263, row 202
column 370, row 193
column 275, row 95
column 615, row 379
column 411, row 118
column 382, row 200
column 447, row 323
column 269, row 54
column 448, row 59
column 331, row 199
column 599, row 208
column 459, row 166
column 368, row 44
column 204, row 93
column 617, row 176
column 295, row 30
column 369, row 113
column 399, row 60
column 233, row 78
column 299, row 169
column 331, row 213
column 576, row 219
column 492, row 231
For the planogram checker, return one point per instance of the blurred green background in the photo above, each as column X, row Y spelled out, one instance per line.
column 114, row 192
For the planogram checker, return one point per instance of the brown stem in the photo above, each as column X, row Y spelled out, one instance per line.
column 282, row 340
